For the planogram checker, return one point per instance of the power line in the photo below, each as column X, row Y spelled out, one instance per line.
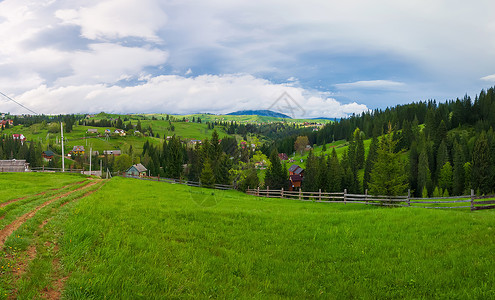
column 18, row 103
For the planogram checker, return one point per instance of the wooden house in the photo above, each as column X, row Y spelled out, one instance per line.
column 120, row 132
column 78, row 150
column 47, row 155
column 14, row 165
column 20, row 137
column 136, row 170
column 112, row 152
column 283, row 156
column 296, row 174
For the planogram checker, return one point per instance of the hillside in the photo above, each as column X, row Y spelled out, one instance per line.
column 264, row 113
column 174, row 241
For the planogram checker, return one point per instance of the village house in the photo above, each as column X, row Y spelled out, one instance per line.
column 296, row 174
column 119, row 132
column 4, row 123
column 283, row 156
column 19, row 137
column 14, row 165
column 194, row 142
column 112, row 152
column 92, row 130
column 136, row 170
column 78, row 150
column 47, row 155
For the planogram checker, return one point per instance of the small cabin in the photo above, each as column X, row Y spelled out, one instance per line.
column 14, row 165
column 47, row 155
column 136, row 170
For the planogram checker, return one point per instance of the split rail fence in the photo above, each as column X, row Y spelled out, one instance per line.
column 469, row 201
column 180, row 181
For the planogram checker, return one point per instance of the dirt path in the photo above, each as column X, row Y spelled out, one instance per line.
column 9, row 229
column 39, row 194
column 55, row 291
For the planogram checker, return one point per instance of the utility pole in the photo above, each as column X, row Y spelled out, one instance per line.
column 62, row 132
column 90, row 154
column 101, row 174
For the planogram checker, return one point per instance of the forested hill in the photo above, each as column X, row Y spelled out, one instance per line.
column 265, row 113
column 448, row 146
column 461, row 112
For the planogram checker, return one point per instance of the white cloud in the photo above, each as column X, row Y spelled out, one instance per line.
column 108, row 63
column 176, row 94
column 117, row 19
column 490, row 78
column 371, row 84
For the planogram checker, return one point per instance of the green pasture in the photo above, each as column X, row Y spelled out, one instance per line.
column 153, row 240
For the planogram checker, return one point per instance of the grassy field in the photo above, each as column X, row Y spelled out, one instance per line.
column 16, row 185
column 150, row 240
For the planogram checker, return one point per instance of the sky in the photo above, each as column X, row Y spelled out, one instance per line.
column 304, row 58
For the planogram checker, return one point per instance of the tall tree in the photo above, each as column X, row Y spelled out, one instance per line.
column 334, row 173
column 481, row 169
column 424, row 174
column 368, row 166
column 388, row 175
column 276, row 177
column 458, row 170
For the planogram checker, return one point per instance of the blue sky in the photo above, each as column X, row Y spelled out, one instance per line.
column 333, row 58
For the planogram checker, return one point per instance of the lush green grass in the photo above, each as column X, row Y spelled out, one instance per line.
column 149, row 240
column 16, row 185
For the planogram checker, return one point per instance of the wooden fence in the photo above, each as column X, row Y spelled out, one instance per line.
column 181, row 181
column 470, row 201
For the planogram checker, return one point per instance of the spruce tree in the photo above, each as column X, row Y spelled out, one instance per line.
column 369, row 162
column 388, row 175
column 276, row 176
column 334, row 173
column 445, row 178
column 310, row 183
column 458, row 170
column 207, row 176
column 424, row 175
column 481, row 175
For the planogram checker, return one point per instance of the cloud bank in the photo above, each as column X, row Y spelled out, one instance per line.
column 334, row 57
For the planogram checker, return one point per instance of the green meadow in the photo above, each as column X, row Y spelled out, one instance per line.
column 136, row 239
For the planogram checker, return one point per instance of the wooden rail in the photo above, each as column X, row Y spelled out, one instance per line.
column 473, row 202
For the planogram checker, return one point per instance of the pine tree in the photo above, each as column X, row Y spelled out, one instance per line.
column 458, row 170
column 424, row 175
column 369, row 162
column 388, row 176
column 334, row 173
column 445, row 178
column 442, row 158
column 481, row 175
column 276, row 177
column 310, row 183
column 207, row 177
column 359, row 159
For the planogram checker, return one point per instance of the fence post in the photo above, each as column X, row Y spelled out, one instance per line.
column 409, row 197
column 258, row 191
column 472, row 200
column 282, row 193
column 158, row 178
column 345, row 193
column 267, row 191
column 300, row 193
column 319, row 195
column 366, row 196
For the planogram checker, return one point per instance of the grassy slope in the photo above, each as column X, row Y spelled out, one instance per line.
column 137, row 239
column 16, row 185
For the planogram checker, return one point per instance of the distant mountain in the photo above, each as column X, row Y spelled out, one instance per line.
column 264, row 113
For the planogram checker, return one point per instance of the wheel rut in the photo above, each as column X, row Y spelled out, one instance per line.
column 9, row 229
